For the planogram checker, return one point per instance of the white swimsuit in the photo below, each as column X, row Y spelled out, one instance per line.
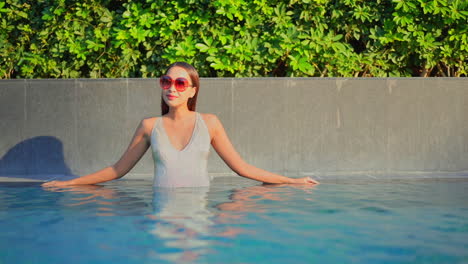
column 184, row 168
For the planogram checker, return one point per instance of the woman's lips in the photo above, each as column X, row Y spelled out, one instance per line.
column 171, row 97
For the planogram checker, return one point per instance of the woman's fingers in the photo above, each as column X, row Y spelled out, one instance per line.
column 305, row 180
column 54, row 184
column 48, row 184
column 314, row 181
column 310, row 180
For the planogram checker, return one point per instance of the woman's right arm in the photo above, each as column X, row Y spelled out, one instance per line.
column 138, row 146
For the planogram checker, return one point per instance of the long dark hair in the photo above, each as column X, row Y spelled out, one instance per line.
column 192, row 72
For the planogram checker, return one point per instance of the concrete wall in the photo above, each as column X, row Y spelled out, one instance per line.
column 323, row 127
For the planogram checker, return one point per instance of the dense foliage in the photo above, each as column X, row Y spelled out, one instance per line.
column 139, row 38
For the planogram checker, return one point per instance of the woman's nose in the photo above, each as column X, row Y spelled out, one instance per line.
column 172, row 87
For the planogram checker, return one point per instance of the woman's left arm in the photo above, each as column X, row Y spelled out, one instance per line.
column 226, row 151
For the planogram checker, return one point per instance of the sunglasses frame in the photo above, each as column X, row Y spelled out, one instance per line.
column 181, row 84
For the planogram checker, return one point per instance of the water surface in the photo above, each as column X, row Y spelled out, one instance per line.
column 236, row 221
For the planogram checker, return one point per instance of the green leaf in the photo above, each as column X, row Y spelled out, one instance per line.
column 202, row 47
column 337, row 37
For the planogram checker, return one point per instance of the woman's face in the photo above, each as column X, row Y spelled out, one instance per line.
column 171, row 96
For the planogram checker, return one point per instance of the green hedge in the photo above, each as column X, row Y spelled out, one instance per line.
column 244, row 38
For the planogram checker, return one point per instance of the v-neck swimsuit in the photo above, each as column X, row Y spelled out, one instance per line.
column 181, row 168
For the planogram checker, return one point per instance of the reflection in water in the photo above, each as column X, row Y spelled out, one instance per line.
column 251, row 199
column 95, row 194
column 109, row 201
column 185, row 220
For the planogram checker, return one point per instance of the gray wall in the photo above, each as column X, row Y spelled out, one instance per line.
column 320, row 127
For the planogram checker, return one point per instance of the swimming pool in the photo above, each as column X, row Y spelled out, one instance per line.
column 236, row 221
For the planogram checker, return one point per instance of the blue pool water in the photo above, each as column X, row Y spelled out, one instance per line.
column 236, row 221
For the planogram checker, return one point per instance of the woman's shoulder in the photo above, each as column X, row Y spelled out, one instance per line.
column 148, row 123
column 211, row 120
column 149, row 120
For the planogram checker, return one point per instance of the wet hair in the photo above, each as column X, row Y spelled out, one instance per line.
column 193, row 74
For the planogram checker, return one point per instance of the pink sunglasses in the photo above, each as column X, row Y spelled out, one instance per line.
column 180, row 83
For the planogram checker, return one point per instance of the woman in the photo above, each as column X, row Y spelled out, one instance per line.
column 180, row 140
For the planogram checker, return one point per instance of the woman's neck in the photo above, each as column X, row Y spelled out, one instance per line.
column 178, row 113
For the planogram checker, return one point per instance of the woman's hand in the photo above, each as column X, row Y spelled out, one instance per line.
column 57, row 184
column 305, row 180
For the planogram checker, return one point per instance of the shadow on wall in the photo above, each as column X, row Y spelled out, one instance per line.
column 37, row 158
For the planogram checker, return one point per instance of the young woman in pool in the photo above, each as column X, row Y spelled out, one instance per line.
column 180, row 141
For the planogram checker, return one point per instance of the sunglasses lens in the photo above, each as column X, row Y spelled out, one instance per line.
column 165, row 82
column 181, row 84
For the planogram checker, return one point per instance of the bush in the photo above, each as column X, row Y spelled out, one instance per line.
column 242, row 38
